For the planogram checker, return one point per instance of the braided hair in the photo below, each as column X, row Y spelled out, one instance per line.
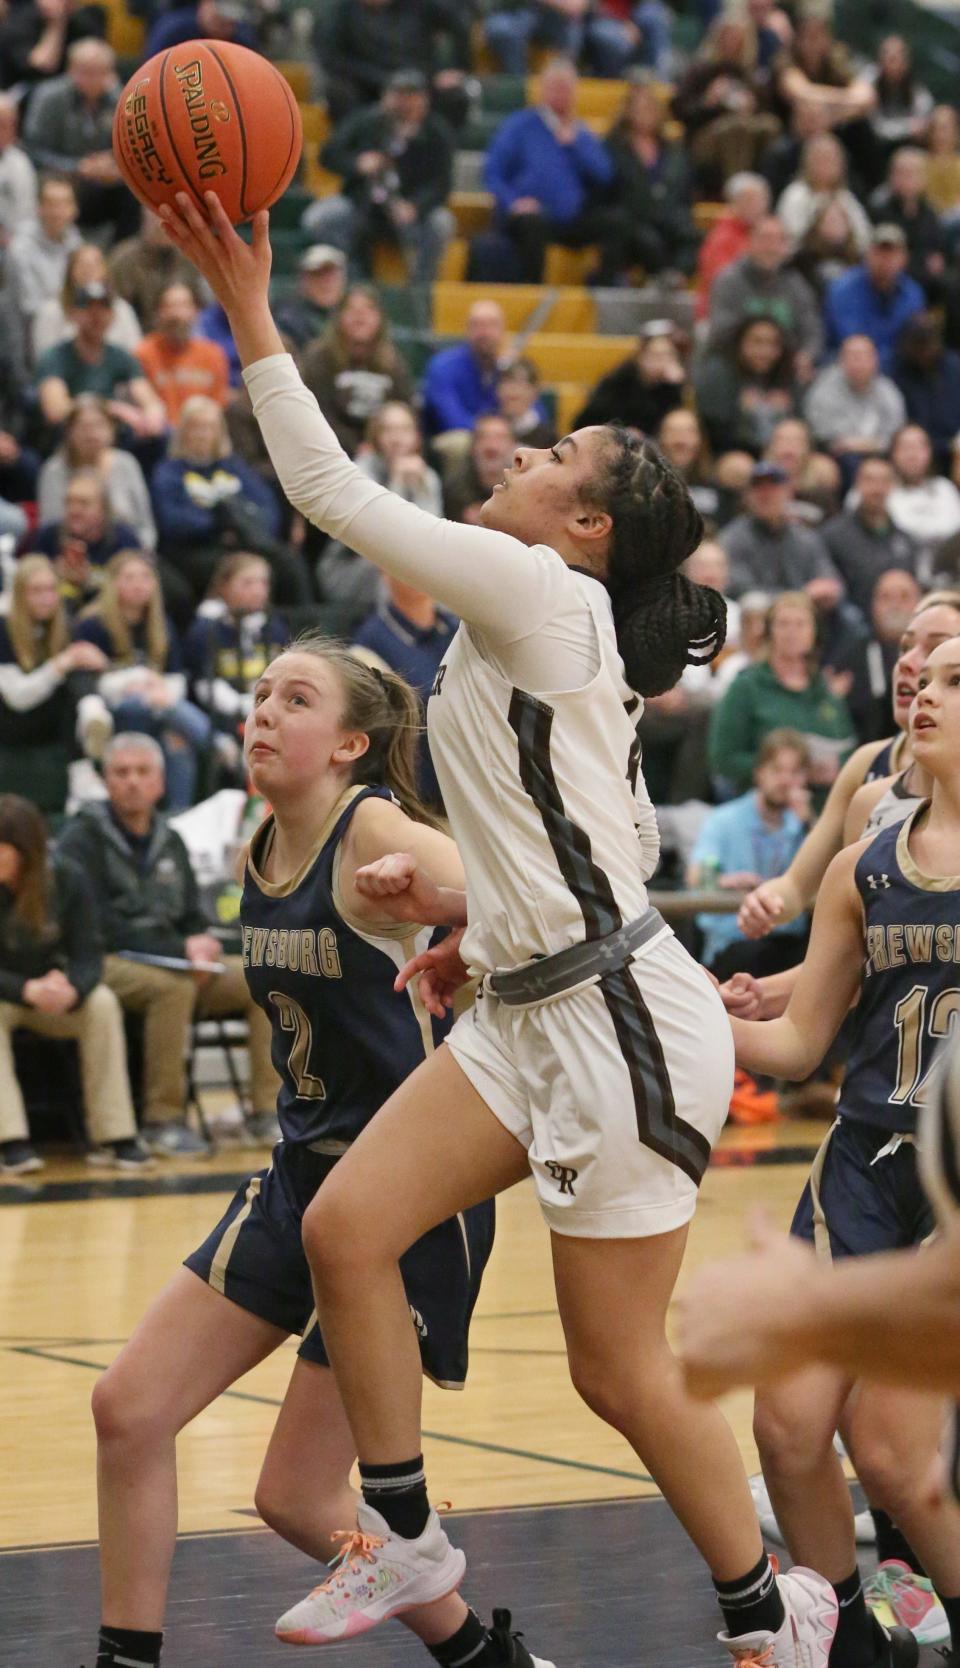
column 663, row 621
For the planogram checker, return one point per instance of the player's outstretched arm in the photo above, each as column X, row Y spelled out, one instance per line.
column 777, row 901
column 489, row 579
column 759, row 1317
column 395, row 869
column 793, row 1046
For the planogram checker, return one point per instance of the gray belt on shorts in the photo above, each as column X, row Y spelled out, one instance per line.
column 552, row 975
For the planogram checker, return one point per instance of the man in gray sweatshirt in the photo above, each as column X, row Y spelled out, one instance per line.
column 851, row 408
column 760, row 283
column 769, row 552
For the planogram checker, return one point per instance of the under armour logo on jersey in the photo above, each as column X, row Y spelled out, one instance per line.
column 562, row 1174
column 878, row 883
column 438, row 680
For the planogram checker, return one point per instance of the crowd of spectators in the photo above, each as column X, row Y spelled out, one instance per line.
column 802, row 203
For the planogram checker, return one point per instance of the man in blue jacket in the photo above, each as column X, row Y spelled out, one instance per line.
column 550, row 175
column 875, row 299
column 460, row 382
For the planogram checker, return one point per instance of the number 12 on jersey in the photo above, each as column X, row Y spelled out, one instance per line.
column 913, row 1028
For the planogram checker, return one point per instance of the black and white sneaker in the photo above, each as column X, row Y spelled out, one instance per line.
column 122, row 1155
column 510, row 1648
column 17, row 1158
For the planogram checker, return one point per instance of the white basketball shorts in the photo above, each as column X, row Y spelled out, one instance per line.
column 618, row 1091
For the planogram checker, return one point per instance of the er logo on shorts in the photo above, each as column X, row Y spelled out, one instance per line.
column 562, row 1174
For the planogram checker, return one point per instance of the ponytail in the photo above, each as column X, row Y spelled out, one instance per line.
column 391, row 759
column 387, row 711
column 664, row 622
column 674, row 623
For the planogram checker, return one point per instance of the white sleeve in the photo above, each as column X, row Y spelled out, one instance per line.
column 220, row 696
column 22, row 691
column 506, row 589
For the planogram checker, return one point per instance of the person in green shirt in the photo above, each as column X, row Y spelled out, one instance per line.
column 89, row 364
column 784, row 690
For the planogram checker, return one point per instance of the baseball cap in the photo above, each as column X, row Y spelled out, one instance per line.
column 888, row 236
column 320, row 255
column 93, row 294
column 407, row 81
column 763, row 472
column 656, row 327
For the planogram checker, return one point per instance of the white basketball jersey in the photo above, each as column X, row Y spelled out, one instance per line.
column 545, row 797
column 895, row 806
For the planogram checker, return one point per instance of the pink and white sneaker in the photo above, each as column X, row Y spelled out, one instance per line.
column 808, row 1628
column 378, row 1575
column 897, row 1596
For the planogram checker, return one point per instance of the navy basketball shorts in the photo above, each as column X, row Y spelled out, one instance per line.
column 861, row 1198
column 255, row 1257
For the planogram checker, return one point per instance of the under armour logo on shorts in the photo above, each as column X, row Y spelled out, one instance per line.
column 562, row 1174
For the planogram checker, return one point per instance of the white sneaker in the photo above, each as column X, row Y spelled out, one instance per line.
column 378, row 1575
column 863, row 1523
column 808, row 1628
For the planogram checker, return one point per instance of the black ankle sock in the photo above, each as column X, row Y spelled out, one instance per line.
column 856, row 1643
column 952, row 1608
column 892, row 1543
column 467, row 1646
column 399, row 1494
column 127, row 1645
column 751, row 1604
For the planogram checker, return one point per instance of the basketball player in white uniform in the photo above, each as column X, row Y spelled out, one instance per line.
column 598, row 1057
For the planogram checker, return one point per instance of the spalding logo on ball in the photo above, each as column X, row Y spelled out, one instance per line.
column 208, row 116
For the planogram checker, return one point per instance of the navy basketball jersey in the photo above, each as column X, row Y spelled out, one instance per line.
column 910, row 997
column 886, row 762
column 342, row 1037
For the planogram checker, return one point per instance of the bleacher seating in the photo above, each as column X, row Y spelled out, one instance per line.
column 571, row 323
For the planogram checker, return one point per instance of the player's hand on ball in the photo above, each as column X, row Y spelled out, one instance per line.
column 439, row 974
column 235, row 270
column 740, row 1319
column 760, row 911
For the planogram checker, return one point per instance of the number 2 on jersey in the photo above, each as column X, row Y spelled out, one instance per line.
column 292, row 1018
column 909, row 1017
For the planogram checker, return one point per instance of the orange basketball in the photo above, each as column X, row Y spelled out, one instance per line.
column 208, row 116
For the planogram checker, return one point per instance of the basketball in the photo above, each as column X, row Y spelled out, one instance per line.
column 208, row 116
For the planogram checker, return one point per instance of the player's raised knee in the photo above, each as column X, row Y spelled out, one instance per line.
column 330, row 1236
column 600, row 1385
column 787, row 1444
column 122, row 1413
column 889, row 1480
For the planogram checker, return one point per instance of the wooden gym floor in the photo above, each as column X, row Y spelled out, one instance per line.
column 559, row 1521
